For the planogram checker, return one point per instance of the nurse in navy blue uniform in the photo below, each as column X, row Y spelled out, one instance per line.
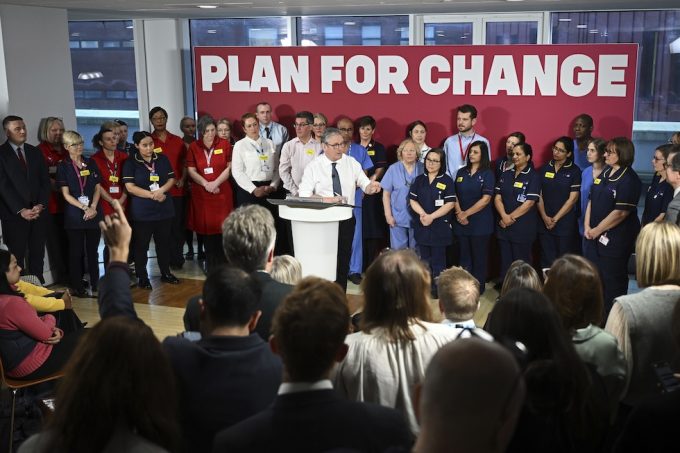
column 660, row 192
column 504, row 163
column 474, row 216
column 148, row 177
column 517, row 192
column 432, row 199
column 558, row 205
column 611, row 225
column 79, row 179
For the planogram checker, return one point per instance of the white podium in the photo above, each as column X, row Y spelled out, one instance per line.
column 315, row 234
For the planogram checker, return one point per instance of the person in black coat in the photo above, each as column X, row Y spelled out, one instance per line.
column 24, row 194
column 309, row 330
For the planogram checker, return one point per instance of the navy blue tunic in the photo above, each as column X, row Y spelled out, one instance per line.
column 556, row 186
column 140, row 173
column 616, row 190
column 89, row 176
column 514, row 191
column 426, row 194
column 469, row 190
column 659, row 195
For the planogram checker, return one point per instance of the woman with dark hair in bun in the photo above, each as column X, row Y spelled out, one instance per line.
column 148, row 177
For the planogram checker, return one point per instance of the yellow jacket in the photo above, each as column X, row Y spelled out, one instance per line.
column 35, row 295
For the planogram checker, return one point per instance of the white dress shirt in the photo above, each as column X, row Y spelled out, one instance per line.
column 277, row 132
column 295, row 156
column 454, row 154
column 317, row 179
column 254, row 160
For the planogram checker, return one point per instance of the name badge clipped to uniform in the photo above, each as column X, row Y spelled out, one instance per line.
column 84, row 200
column 549, row 174
column 371, row 153
column 113, row 178
column 264, row 163
column 521, row 198
column 158, row 150
column 604, row 240
column 309, row 151
column 597, row 181
column 518, row 185
column 218, row 151
column 439, row 202
column 153, row 187
column 154, row 178
column 441, row 186
column 208, row 171
column 84, row 172
column 459, row 179
column 114, row 189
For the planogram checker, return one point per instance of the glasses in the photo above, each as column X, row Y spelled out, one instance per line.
column 558, row 150
column 608, row 151
column 159, row 118
column 432, row 161
column 336, row 146
column 296, row 125
column 76, row 145
column 346, row 129
column 319, row 124
column 658, row 159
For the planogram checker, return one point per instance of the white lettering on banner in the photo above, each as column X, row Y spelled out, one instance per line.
column 576, row 75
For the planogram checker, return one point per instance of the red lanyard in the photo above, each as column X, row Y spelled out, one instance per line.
column 208, row 157
column 463, row 154
column 81, row 181
column 113, row 172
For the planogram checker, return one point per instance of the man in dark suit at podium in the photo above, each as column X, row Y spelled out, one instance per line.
column 24, row 193
column 309, row 332
column 334, row 176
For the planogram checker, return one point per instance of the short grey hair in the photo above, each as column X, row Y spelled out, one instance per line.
column 204, row 122
column 458, row 294
column 248, row 236
column 329, row 132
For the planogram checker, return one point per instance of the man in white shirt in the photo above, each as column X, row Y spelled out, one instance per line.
column 254, row 165
column 297, row 153
column 457, row 146
column 269, row 129
column 333, row 177
column 673, row 178
column 458, row 297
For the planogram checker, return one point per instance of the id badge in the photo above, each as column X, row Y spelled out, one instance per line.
column 113, row 178
column 604, row 240
column 521, row 198
column 154, row 177
column 439, row 202
column 208, row 171
column 114, row 189
column 153, row 187
column 84, row 200
column 265, row 167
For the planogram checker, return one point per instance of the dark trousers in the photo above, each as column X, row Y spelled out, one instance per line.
column 79, row 240
column 214, row 253
column 177, row 226
column 345, row 237
column 143, row 231
column 67, row 321
column 435, row 257
column 513, row 251
column 474, row 254
column 21, row 235
column 613, row 273
column 553, row 247
column 56, row 248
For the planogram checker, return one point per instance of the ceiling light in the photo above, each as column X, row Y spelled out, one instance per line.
column 514, row 0
column 582, row 26
column 350, row 23
column 90, row 75
column 75, row 35
column 212, row 32
column 593, row 31
column 564, row 20
column 207, row 6
column 130, row 27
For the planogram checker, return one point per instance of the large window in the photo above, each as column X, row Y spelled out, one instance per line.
column 104, row 80
column 657, row 110
column 263, row 31
column 353, row 31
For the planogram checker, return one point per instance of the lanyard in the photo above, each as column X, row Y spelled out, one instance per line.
column 208, row 157
column 81, row 181
column 463, row 154
column 113, row 172
column 151, row 168
column 259, row 150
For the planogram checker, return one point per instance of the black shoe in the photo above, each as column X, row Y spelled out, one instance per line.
column 355, row 278
column 201, row 255
column 190, row 256
column 144, row 283
column 169, row 278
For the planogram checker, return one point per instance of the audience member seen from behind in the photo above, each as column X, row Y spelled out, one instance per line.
column 308, row 333
column 118, row 395
column 652, row 426
column 388, row 357
column 520, row 275
column 286, row 269
column 564, row 407
column 470, row 400
column 458, row 297
column 31, row 346
column 641, row 321
column 573, row 285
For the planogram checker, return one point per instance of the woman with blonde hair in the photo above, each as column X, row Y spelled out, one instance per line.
column 641, row 322
column 389, row 355
column 286, row 269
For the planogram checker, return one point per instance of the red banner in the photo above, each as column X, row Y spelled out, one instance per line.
column 536, row 89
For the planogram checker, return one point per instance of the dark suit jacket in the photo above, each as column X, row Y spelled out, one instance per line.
column 22, row 188
column 273, row 293
column 673, row 210
column 317, row 421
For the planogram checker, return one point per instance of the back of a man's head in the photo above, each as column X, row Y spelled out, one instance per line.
column 248, row 236
column 309, row 329
column 471, row 397
column 231, row 297
column 458, row 294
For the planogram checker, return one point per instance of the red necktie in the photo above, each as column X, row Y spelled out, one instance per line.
column 20, row 153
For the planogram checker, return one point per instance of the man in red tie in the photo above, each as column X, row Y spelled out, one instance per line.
column 24, row 193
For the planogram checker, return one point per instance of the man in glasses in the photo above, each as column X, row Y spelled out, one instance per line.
column 297, row 153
